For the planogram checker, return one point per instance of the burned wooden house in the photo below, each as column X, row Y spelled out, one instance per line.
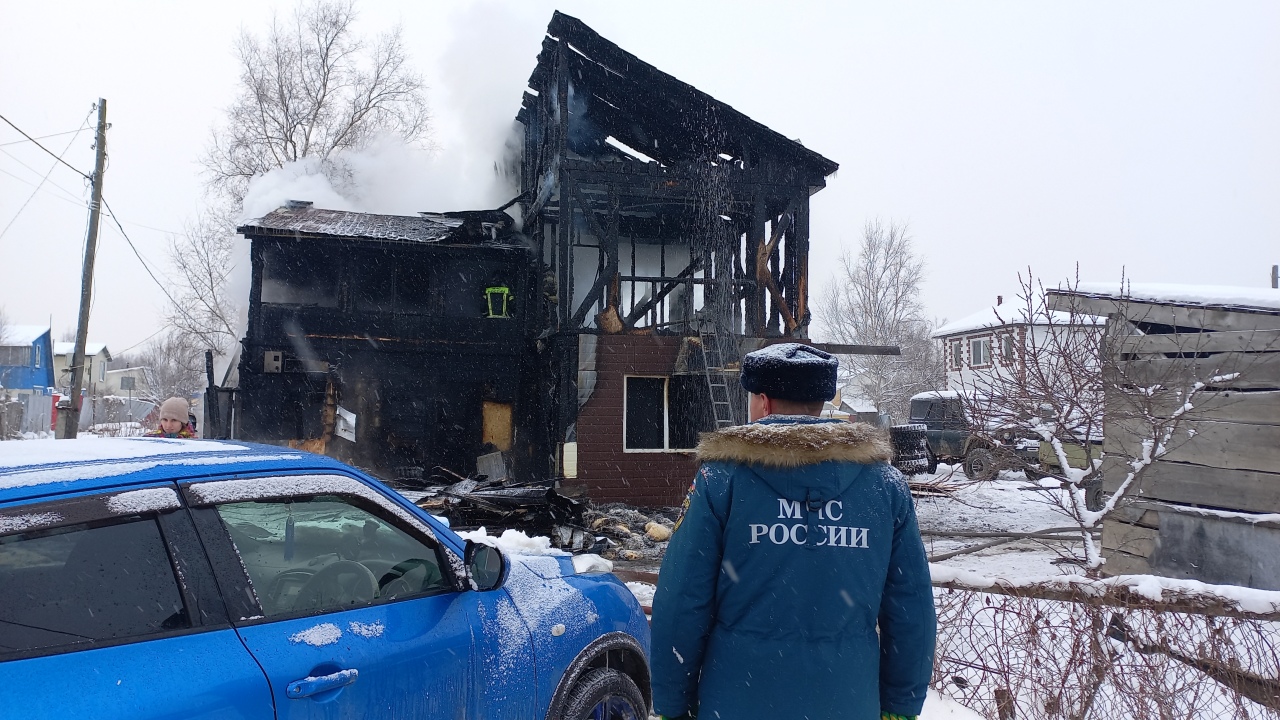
column 674, row 232
column 397, row 343
column 662, row 234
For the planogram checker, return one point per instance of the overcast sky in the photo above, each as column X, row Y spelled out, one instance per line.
column 1142, row 135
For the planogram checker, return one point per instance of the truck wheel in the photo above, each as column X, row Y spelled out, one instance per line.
column 933, row 463
column 980, row 465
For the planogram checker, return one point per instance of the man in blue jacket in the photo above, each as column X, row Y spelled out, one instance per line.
column 796, row 584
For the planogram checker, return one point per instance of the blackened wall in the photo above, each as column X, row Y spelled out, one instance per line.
column 651, row 479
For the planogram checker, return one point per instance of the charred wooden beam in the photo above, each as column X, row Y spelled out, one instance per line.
column 682, row 278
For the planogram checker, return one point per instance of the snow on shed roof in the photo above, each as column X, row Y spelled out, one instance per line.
column 471, row 227
column 90, row 348
column 1215, row 295
column 992, row 317
column 14, row 335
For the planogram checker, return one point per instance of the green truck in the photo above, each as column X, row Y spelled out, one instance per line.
column 951, row 438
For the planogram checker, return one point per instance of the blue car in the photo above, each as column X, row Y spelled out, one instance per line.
column 154, row 578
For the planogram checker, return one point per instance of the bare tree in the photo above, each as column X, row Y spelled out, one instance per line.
column 203, row 257
column 312, row 88
column 175, row 367
column 874, row 299
column 1065, row 380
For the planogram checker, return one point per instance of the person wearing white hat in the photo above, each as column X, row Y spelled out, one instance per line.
column 174, row 414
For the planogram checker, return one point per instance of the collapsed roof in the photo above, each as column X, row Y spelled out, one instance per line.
column 489, row 227
column 617, row 95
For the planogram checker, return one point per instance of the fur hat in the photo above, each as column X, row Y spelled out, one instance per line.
column 790, row 371
column 175, row 408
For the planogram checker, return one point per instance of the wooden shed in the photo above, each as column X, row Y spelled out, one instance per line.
column 1206, row 508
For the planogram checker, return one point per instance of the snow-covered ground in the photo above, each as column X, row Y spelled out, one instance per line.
column 1003, row 505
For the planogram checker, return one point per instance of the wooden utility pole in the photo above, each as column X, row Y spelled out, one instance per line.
column 71, row 418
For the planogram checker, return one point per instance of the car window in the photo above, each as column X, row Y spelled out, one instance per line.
column 83, row 584
column 325, row 553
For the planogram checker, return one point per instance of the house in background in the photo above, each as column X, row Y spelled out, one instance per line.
column 996, row 341
column 26, row 360
column 26, row 380
column 96, row 357
column 136, row 381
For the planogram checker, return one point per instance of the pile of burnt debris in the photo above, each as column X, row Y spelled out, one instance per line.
column 614, row 531
column 622, row 532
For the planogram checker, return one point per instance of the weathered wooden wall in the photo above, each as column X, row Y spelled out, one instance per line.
column 1199, row 511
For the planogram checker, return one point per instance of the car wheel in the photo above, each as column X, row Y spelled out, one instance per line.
column 933, row 463
column 605, row 694
column 980, row 465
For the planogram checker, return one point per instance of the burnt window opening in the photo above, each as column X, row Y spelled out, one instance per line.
column 665, row 414
column 385, row 283
column 290, row 277
column 465, row 288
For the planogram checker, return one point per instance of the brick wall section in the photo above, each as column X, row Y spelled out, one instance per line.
column 649, row 479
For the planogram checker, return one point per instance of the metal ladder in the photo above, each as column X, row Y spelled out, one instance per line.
column 717, row 380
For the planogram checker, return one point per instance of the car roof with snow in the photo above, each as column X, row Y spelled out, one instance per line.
column 936, row 395
column 37, row 468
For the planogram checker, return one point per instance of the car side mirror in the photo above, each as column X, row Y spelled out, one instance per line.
column 486, row 568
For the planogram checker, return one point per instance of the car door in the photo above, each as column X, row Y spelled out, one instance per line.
column 357, row 608
column 109, row 609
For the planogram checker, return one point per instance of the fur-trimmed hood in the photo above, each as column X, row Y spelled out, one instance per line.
column 782, row 444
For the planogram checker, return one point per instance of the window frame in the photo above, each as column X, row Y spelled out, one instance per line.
column 957, row 353
column 244, row 606
column 980, row 341
column 666, row 416
column 188, row 564
column 1008, row 349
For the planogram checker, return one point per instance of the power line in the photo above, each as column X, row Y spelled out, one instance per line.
column 134, row 248
column 55, row 196
column 47, row 150
column 42, row 181
column 18, row 160
column 154, row 279
column 143, row 340
column 42, row 137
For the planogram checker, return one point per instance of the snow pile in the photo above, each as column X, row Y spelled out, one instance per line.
column 318, row 636
column 18, row 523
column 937, row 706
column 367, row 630
column 153, row 499
column 643, row 592
column 591, row 563
column 513, row 542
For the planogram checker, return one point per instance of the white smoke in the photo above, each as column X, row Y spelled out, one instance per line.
column 476, row 90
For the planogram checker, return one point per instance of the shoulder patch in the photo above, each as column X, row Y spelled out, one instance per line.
column 688, row 497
